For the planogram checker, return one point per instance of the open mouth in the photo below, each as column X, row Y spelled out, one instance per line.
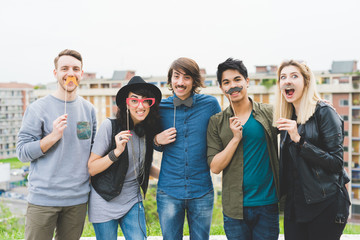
column 289, row 92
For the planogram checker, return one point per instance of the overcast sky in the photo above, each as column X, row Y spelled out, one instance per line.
column 147, row 35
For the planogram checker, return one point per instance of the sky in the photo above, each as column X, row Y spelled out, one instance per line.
column 148, row 35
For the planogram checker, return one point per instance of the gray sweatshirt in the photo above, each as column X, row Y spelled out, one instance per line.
column 60, row 176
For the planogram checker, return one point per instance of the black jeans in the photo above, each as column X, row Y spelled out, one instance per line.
column 323, row 227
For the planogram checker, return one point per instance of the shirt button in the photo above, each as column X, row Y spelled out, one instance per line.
column 186, row 164
column 185, row 149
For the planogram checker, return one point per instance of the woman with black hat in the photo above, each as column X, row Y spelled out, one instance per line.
column 120, row 162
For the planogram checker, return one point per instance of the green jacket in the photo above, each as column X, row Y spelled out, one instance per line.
column 219, row 135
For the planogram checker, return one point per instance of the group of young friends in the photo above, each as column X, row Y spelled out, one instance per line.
column 194, row 136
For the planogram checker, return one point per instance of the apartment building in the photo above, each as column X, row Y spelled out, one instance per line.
column 340, row 86
column 14, row 98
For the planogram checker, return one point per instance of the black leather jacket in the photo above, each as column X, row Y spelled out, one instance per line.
column 319, row 155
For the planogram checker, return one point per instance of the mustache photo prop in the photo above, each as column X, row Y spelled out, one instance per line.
column 230, row 91
column 290, row 85
column 71, row 79
column 234, row 89
column 68, row 80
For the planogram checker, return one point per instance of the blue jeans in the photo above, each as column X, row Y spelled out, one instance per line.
column 172, row 215
column 259, row 223
column 133, row 225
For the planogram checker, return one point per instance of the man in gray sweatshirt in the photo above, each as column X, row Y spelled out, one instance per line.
column 56, row 136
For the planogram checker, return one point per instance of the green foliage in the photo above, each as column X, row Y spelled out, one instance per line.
column 150, row 205
column 14, row 162
column 352, row 229
column 151, row 215
column 88, row 229
column 10, row 227
column 268, row 83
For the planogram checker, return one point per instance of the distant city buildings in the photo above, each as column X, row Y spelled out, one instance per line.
column 340, row 85
column 14, row 98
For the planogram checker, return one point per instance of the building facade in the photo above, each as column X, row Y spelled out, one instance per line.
column 14, row 98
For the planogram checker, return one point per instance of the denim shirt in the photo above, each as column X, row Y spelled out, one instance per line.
column 184, row 171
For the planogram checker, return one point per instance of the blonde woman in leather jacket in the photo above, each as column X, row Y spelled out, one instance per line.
column 311, row 157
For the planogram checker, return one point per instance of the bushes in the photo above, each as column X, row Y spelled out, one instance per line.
column 10, row 227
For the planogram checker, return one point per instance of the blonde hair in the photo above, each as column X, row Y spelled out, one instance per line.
column 309, row 97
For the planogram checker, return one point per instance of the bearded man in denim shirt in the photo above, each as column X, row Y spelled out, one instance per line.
column 185, row 184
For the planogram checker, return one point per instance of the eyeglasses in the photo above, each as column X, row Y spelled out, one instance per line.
column 146, row 102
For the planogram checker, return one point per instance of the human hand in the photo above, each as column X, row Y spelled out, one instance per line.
column 236, row 127
column 167, row 136
column 59, row 125
column 290, row 126
column 121, row 139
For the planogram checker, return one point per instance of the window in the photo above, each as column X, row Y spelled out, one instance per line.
column 345, row 117
column 346, row 149
column 346, row 133
column 344, row 102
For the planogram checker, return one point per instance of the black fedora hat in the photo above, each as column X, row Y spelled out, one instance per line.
column 137, row 82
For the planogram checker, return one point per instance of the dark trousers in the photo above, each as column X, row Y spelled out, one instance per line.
column 323, row 227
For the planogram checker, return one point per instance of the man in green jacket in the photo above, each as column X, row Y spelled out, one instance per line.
column 243, row 144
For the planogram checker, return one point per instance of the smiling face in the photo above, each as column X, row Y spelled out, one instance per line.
column 230, row 79
column 182, row 84
column 291, row 83
column 140, row 112
column 68, row 66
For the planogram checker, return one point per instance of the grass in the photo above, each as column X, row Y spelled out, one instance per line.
column 14, row 162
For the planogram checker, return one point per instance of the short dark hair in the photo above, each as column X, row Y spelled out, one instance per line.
column 191, row 68
column 231, row 63
column 68, row 52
